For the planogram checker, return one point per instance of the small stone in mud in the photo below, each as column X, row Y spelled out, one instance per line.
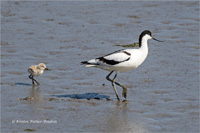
column 29, row 130
column 26, row 98
column 52, row 99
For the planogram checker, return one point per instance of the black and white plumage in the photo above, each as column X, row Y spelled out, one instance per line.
column 122, row 60
column 106, row 62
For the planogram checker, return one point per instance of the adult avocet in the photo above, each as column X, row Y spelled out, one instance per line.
column 122, row 60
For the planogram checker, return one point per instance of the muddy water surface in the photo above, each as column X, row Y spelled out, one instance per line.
column 163, row 93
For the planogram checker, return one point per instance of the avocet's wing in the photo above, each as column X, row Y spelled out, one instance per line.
column 110, row 59
column 115, row 57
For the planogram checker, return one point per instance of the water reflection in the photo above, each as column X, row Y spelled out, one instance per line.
column 35, row 94
column 119, row 119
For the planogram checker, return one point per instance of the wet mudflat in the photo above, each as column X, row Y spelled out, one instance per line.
column 163, row 93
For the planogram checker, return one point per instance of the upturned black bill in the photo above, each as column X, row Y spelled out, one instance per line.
column 157, row 40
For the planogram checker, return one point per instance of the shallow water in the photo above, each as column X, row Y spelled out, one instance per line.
column 163, row 93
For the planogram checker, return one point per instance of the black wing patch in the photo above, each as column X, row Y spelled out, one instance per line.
column 126, row 53
column 114, row 62
column 111, row 62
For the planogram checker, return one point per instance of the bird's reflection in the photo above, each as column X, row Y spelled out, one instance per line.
column 120, row 119
column 36, row 95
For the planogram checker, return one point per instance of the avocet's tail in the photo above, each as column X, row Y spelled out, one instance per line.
column 90, row 63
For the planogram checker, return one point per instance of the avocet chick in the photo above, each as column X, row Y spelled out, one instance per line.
column 36, row 70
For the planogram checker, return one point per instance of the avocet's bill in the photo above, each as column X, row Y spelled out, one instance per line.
column 122, row 60
column 36, row 70
column 157, row 40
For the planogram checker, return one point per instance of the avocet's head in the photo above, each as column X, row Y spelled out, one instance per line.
column 146, row 35
column 42, row 66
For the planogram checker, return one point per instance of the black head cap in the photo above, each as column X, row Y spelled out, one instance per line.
column 143, row 34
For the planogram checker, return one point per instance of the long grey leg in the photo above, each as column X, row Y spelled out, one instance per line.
column 113, row 84
column 124, row 92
